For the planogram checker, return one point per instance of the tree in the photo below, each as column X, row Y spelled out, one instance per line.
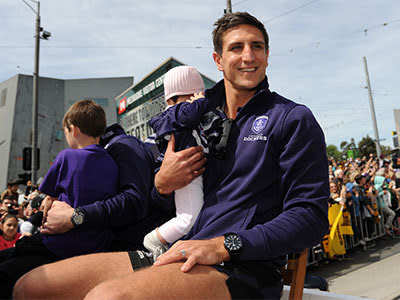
column 386, row 150
column 367, row 146
column 343, row 145
column 333, row 151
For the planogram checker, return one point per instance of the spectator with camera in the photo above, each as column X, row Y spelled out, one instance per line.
column 11, row 192
column 9, row 206
column 34, row 215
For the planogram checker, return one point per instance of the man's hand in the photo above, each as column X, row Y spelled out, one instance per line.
column 45, row 206
column 203, row 252
column 58, row 219
column 178, row 169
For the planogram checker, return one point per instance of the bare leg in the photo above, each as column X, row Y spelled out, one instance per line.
column 72, row 278
column 165, row 282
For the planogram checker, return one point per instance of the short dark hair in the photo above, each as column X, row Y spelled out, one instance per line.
column 8, row 216
column 12, row 182
column 88, row 116
column 231, row 20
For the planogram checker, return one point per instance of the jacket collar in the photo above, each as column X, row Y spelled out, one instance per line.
column 217, row 92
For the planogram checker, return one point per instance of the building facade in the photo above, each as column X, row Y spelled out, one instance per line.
column 142, row 101
column 55, row 97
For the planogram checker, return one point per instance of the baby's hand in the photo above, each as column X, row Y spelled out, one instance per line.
column 195, row 97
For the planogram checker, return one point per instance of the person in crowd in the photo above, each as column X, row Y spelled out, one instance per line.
column 267, row 198
column 181, row 83
column 11, row 191
column 29, row 188
column 83, row 173
column 8, row 206
column 384, row 201
column 339, row 175
column 34, row 215
column 9, row 231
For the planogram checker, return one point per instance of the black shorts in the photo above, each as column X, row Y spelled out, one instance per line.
column 246, row 280
column 252, row 279
column 140, row 259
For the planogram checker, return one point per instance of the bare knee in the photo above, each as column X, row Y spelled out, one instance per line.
column 28, row 286
column 107, row 291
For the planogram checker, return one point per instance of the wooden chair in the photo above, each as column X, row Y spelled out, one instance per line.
column 294, row 274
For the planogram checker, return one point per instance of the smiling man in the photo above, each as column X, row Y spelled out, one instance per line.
column 265, row 199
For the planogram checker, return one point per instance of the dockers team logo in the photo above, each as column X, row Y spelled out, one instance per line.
column 259, row 124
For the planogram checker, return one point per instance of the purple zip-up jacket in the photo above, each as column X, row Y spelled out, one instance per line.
column 272, row 188
column 130, row 213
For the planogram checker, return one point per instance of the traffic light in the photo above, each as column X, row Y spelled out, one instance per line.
column 27, row 158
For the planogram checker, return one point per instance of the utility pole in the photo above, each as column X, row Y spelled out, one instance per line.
column 228, row 9
column 45, row 35
column 372, row 109
column 35, row 96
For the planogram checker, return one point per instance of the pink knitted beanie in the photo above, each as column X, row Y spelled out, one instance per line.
column 182, row 80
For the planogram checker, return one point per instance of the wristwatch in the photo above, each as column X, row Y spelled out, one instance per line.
column 233, row 244
column 78, row 216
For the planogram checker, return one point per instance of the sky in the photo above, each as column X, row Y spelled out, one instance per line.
column 316, row 49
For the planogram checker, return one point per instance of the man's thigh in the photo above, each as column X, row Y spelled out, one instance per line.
column 72, row 278
column 165, row 282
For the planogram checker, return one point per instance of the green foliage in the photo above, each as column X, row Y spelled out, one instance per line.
column 367, row 146
column 333, row 151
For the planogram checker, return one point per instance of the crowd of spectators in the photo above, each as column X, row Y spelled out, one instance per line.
column 369, row 189
column 20, row 213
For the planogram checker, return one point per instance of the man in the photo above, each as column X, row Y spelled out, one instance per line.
column 266, row 199
column 11, row 191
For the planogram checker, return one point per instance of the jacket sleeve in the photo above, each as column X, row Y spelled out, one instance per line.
column 303, row 190
column 132, row 203
column 184, row 115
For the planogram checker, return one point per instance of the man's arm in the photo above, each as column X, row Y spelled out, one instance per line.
column 130, row 205
column 303, row 188
column 136, row 177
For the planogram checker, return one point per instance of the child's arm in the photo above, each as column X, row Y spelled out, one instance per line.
column 184, row 115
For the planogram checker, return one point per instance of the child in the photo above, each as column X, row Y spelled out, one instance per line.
column 9, row 234
column 181, row 84
column 80, row 175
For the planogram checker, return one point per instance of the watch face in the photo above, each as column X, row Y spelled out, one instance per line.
column 78, row 219
column 233, row 242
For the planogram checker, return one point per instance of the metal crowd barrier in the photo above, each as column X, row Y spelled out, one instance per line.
column 365, row 231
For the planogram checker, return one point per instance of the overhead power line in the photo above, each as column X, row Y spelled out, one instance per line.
column 290, row 11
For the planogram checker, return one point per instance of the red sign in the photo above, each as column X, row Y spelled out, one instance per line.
column 122, row 105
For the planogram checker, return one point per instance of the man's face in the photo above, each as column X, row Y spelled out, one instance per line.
column 244, row 58
column 7, row 202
